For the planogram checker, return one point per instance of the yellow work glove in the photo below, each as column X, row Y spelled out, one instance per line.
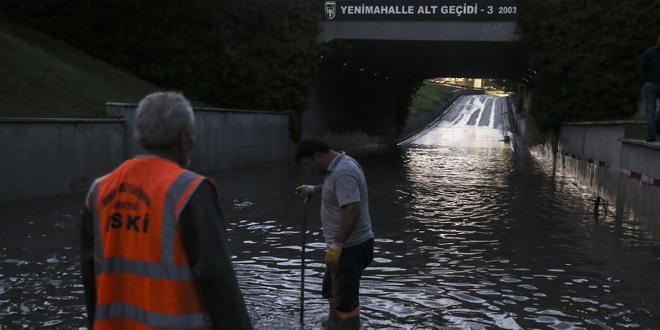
column 332, row 256
column 304, row 190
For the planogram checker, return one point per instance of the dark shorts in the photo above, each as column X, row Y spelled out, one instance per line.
column 342, row 284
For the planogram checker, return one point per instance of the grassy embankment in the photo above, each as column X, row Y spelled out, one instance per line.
column 43, row 77
column 428, row 94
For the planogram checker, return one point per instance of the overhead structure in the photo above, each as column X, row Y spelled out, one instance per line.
column 427, row 38
column 390, row 43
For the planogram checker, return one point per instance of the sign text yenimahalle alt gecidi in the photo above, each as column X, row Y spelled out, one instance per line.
column 423, row 10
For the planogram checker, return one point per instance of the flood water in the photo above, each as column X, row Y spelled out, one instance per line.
column 472, row 232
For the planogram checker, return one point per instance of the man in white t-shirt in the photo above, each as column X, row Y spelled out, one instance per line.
column 346, row 225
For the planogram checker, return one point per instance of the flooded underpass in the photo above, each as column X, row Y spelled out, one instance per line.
column 472, row 232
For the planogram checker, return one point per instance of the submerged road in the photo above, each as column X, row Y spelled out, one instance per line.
column 478, row 121
column 472, row 233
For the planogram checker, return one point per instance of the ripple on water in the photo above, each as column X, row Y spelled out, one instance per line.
column 466, row 238
column 466, row 297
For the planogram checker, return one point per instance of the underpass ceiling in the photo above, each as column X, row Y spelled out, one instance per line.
column 429, row 59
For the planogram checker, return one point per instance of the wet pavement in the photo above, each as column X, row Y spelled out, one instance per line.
column 472, row 233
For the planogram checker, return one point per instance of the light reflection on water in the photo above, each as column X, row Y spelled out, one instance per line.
column 468, row 237
column 474, row 236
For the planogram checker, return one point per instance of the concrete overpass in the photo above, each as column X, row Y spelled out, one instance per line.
column 393, row 42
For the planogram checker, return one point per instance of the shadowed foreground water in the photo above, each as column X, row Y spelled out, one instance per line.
column 472, row 235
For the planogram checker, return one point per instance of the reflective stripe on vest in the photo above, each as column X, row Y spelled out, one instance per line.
column 151, row 319
column 159, row 277
column 149, row 269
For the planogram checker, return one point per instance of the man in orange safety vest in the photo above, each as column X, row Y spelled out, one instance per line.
column 153, row 239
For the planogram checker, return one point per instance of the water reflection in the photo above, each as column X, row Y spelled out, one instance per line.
column 39, row 270
column 469, row 236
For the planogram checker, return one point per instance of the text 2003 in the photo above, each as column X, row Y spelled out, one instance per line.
column 502, row 10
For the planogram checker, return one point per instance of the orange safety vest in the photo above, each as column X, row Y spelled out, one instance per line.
column 143, row 279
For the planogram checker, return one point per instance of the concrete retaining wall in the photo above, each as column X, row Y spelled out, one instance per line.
column 225, row 138
column 639, row 188
column 598, row 141
column 606, row 163
column 48, row 157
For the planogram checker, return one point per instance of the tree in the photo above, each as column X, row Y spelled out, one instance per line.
column 251, row 55
column 585, row 55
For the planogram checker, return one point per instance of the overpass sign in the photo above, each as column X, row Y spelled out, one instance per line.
column 421, row 10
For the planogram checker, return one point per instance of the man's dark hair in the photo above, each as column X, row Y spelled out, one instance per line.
column 309, row 146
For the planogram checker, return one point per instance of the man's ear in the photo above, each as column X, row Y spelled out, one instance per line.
column 186, row 139
column 185, row 142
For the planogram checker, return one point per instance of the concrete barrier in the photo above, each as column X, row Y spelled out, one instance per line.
column 606, row 164
column 639, row 186
column 47, row 157
column 598, row 141
column 225, row 138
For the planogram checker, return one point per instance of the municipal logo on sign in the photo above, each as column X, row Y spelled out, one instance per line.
column 330, row 9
